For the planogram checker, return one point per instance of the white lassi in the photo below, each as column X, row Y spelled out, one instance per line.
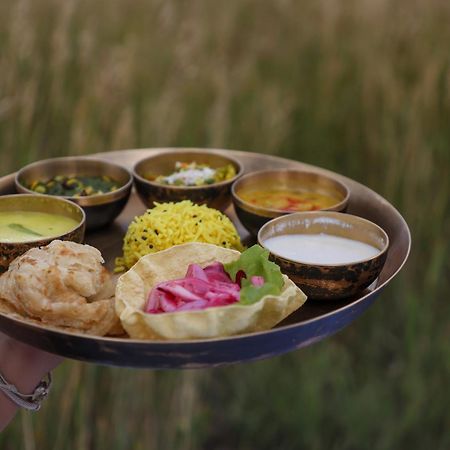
column 322, row 249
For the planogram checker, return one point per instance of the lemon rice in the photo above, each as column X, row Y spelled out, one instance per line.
column 169, row 224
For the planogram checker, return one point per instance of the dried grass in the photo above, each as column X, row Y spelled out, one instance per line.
column 361, row 87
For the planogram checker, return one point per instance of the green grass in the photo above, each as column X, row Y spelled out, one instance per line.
column 359, row 87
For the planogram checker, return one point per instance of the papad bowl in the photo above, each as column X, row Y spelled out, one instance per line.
column 134, row 286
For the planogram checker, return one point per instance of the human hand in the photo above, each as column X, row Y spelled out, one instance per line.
column 24, row 366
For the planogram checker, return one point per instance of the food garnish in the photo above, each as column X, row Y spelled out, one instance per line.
column 256, row 275
column 74, row 186
column 243, row 281
column 22, row 229
column 169, row 224
column 194, row 174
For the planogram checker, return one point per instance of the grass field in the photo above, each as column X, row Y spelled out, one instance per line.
column 359, row 87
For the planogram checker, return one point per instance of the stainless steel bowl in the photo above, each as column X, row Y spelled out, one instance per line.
column 253, row 217
column 326, row 281
column 39, row 203
column 100, row 209
column 216, row 195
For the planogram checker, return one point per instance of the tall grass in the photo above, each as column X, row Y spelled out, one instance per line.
column 360, row 87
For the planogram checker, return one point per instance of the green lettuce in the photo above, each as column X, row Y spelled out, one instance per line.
column 255, row 262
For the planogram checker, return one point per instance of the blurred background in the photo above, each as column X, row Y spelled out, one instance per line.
column 361, row 87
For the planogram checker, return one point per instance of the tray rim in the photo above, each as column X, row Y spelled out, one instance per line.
column 109, row 155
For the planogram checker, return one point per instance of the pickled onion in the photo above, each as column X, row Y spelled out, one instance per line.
column 199, row 289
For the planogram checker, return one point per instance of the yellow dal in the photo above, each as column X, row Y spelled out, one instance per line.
column 23, row 226
column 289, row 200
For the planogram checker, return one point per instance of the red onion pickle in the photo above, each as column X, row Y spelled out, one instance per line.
column 245, row 280
column 199, row 289
column 257, row 280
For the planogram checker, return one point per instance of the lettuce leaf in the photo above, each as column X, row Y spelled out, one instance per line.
column 255, row 262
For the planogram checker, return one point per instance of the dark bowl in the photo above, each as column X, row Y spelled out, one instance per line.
column 100, row 209
column 39, row 203
column 253, row 217
column 216, row 195
column 329, row 281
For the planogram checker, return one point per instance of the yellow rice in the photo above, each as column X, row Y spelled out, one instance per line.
column 169, row 224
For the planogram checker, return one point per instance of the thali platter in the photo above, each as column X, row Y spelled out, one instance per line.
column 313, row 322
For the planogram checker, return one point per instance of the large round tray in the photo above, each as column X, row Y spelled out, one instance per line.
column 313, row 322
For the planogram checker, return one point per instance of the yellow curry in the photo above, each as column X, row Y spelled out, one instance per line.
column 23, row 226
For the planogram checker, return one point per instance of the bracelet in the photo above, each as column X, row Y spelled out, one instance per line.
column 32, row 401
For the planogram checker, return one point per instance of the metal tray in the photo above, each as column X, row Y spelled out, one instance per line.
column 313, row 322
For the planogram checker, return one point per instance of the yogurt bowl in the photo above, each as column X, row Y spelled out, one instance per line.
column 329, row 255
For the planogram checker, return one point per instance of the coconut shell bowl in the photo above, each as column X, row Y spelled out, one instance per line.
column 328, row 281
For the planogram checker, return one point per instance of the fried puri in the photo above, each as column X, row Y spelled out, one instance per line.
column 64, row 285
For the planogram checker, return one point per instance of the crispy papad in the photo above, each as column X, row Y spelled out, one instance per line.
column 134, row 286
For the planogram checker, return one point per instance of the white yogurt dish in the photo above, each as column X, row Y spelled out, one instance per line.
column 321, row 249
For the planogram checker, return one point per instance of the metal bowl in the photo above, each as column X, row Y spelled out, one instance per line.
column 253, row 217
column 100, row 209
column 216, row 195
column 329, row 281
column 39, row 203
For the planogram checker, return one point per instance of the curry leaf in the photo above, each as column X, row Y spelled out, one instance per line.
column 22, row 229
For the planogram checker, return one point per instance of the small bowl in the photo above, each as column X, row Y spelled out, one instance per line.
column 100, row 209
column 39, row 203
column 326, row 281
column 253, row 217
column 216, row 195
